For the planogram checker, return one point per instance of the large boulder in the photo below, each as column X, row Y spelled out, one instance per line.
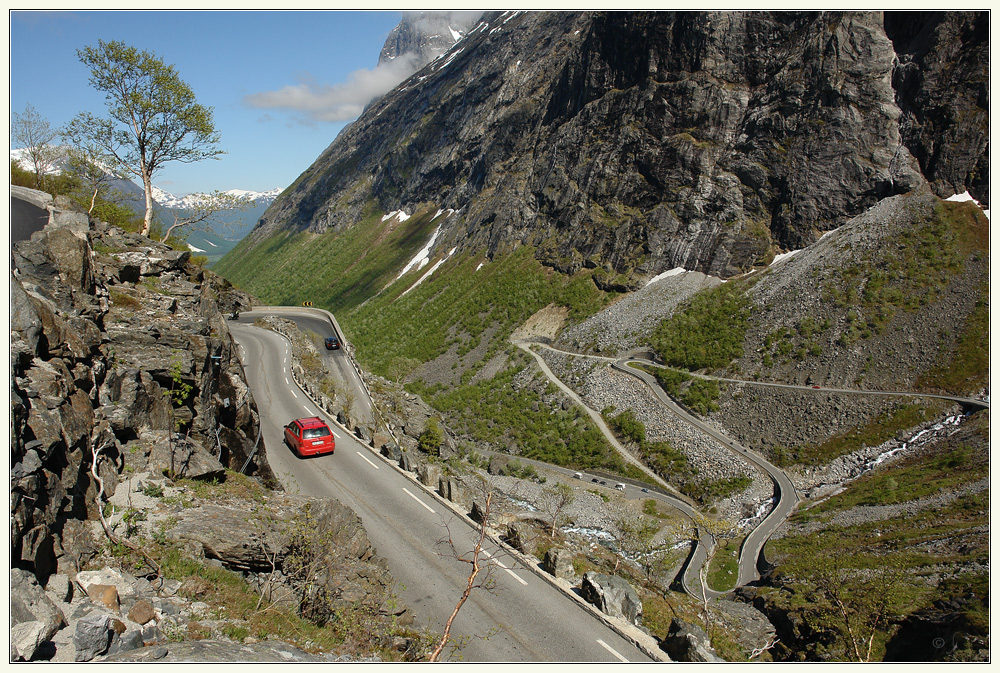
column 95, row 634
column 296, row 535
column 688, row 642
column 34, row 618
column 522, row 536
column 612, row 595
column 70, row 254
column 558, row 562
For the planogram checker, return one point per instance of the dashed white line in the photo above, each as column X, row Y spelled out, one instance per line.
column 286, row 381
column 308, row 410
column 292, row 392
column 509, row 571
column 366, row 460
column 426, row 506
column 611, row 650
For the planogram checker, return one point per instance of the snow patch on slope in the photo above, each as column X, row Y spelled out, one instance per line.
column 965, row 196
column 430, row 270
column 421, row 259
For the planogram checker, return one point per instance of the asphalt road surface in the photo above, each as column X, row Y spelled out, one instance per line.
column 25, row 219
column 521, row 618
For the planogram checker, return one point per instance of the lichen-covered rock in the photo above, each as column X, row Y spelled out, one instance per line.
column 612, row 595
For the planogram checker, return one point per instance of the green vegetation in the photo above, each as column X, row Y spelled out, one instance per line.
column 431, row 438
column 460, row 305
column 152, row 116
column 709, row 491
column 967, row 370
column 361, row 628
column 891, row 567
column 336, row 271
column 700, row 396
column 785, row 343
column 492, row 411
column 121, row 300
column 670, row 463
column 707, row 332
column 873, row 433
column 723, row 571
column 670, row 379
column 911, row 275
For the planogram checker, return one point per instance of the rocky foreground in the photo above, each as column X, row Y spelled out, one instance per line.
column 128, row 399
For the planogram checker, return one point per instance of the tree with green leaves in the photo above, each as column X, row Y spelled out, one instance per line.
column 33, row 132
column 153, row 117
column 860, row 595
column 637, row 541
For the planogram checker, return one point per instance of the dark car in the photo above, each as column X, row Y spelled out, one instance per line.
column 309, row 437
column 332, row 343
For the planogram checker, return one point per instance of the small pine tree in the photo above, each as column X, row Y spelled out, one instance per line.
column 432, row 437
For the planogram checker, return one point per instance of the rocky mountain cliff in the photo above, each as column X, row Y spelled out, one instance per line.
column 638, row 142
column 423, row 36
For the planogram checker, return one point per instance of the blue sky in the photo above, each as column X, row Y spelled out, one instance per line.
column 282, row 84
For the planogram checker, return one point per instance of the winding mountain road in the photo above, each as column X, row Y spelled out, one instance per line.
column 523, row 617
column 785, row 498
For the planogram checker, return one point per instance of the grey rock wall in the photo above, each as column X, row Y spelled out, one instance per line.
column 637, row 142
column 117, row 348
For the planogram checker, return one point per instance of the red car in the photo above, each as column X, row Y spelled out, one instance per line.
column 309, row 437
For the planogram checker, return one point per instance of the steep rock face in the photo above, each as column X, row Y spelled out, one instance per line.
column 639, row 142
column 117, row 348
column 942, row 84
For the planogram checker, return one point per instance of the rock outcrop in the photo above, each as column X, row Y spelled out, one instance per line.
column 120, row 357
column 612, row 595
column 688, row 642
column 637, row 142
column 126, row 380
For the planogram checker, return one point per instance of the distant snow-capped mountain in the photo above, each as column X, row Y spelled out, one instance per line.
column 160, row 196
column 168, row 200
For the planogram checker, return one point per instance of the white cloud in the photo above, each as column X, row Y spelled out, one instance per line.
column 337, row 102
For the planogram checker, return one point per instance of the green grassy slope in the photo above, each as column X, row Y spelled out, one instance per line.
column 334, row 270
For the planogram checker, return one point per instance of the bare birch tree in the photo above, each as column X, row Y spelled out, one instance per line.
column 32, row 132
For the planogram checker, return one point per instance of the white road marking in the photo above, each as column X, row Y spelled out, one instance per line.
column 308, row 410
column 509, row 571
column 293, row 393
column 426, row 506
column 366, row 460
column 336, row 435
column 286, row 381
column 611, row 650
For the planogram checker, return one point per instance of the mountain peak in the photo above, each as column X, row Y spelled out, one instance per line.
column 423, row 36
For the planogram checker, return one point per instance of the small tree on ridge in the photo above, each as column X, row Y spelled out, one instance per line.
column 153, row 117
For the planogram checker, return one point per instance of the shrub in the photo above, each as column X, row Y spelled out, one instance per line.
column 431, row 438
